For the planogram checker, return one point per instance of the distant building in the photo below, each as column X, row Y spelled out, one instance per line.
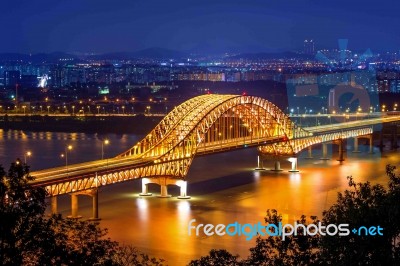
column 11, row 78
column 309, row 47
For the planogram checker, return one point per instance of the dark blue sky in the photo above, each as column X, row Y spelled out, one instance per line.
column 246, row 25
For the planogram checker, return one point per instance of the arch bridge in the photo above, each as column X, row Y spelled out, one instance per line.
column 202, row 125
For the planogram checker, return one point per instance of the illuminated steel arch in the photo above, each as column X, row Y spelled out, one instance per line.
column 209, row 123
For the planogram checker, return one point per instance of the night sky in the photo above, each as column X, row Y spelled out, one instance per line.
column 196, row 25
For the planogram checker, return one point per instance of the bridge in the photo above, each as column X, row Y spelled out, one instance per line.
column 202, row 125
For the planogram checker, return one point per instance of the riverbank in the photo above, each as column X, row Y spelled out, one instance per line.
column 138, row 124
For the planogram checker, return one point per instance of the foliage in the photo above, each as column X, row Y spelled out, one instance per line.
column 130, row 256
column 29, row 237
column 216, row 257
column 365, row 205
column 294, row 250
column 21, row 209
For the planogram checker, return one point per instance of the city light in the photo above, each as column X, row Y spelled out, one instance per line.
column 27, row 154
column 105, row 142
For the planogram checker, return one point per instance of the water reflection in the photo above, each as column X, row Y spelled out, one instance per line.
column 47, row 146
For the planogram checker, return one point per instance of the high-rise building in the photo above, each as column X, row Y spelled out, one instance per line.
column 11, row 78
column 309, row 47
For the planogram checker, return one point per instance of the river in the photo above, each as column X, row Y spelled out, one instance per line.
column 224, row 189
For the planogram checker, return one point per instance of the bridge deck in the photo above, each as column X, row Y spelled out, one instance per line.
column 76, row 171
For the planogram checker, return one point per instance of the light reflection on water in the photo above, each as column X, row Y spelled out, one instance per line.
column 224, row 189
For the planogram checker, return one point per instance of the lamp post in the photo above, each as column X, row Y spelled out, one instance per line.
column 67, row 148
column 104, row 142
column 73, row 110
column 27, row 154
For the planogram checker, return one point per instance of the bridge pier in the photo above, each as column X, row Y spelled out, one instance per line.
column 74, row 207
column 94, row 193
column 381, row 145
column 309, row 153
column 145, row 188
column 277, row 166
column 183, row 189
column 95, row 205
column 293, row 160
column 259, row 166
column 54, row 205
column 324, row 151
column 371, row 144
column 162, row 181
column 393, row 142
column 356, row 145
column 341, row 152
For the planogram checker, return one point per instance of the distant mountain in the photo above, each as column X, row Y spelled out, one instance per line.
column 150, row 53
column 255, row 56
column 160, row 53
column 36, row 58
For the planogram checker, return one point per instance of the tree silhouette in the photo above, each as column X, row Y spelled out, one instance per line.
column 29, row 237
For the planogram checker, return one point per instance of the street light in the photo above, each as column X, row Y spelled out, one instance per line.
column 24, row 107
column 73, row 110
column 27, row 154
column 105, row 142
column 48, row 110
column 67, row 148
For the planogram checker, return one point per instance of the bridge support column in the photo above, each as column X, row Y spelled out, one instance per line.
column 324, row 151
column 74, row 207
column 183, row 186
column 259, row 166
column 95, row 204
column 356, row 145
column 145, row 187
column 293, row 160
column 277, row 167
column 371, row 144
column 393, row 143
column 54, row 205
column 381, row 145
column 309, row 153
column 341, row 158
column 164, row 188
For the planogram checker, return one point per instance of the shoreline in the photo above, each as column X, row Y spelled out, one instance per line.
column 119, row 124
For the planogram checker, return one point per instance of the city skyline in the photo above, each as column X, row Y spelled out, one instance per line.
column 200, row 26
